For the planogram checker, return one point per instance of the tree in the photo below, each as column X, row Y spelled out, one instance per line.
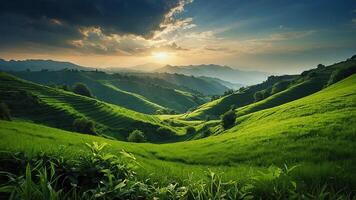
column 4, row 112
column 228, row 119
column 83, row 125
column 136, row 136
column 321, row 66
column 82, row 89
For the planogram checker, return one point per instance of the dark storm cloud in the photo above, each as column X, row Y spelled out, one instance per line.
column 55, row 22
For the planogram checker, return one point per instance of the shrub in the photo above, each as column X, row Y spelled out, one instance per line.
column 4, row 112
column 82, row 89
column 190, row 130
column 84, row 125
column 228, row 119
column 136, row 136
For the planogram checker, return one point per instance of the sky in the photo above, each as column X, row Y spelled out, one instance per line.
column 277, row 36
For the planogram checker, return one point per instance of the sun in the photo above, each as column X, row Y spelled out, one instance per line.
column 160, row 56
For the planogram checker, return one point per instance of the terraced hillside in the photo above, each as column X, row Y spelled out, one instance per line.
column 204, row 85
column 316, row 132
column 58, row 108
column 276, row 90
column 140, row 93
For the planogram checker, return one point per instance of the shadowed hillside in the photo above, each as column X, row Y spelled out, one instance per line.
column 276, row 90
column 59, row 108
column 142, row 94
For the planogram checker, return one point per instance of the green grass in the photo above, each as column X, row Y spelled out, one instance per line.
column 139, row 93
column 318, row 132
column 300, row 86
column 54, row 104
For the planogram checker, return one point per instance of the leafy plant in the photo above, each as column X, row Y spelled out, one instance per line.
column 136, row 136
column 275, row 183
column 215, row 188
column 101, row 175
column 84, row 125
column 82, row 89
column 228, row 119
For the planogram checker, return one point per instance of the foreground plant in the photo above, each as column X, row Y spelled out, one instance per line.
column 101, row 175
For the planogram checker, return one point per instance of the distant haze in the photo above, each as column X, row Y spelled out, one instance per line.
column 222, row 72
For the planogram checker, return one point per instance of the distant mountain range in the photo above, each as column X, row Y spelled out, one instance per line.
column 38, row 65
column 217, row 71
column 223, row 77
column 148, row 67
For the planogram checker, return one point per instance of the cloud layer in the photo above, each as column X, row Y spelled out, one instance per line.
column 61, row 22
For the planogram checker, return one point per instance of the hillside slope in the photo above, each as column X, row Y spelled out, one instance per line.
column 58, row 108
column 317, row 132
column 142, row 94
column 276, row 90
column 204, row 85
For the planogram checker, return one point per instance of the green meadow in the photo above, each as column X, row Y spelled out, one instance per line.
column 282, row 147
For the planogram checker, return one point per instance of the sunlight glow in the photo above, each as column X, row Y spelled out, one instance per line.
column 160, row 56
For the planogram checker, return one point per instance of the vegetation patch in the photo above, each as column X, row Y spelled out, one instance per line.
column 101, row 175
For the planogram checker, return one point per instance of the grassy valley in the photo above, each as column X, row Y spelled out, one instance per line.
column 45, row 105
column 276, row 90
column 287, row 134
column 297, row 141
column 142, row 94
column 177, row 100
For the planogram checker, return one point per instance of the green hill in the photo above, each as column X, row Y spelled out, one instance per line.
column 142, row 94
column 58, row 108
column 276, row 90
column 317, row 132
column 203, row 85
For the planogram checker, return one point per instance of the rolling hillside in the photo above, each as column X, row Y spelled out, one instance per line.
column 276, row 90
column 203, row 85
column 316, row 132
column 58, row 108
column 142, row 94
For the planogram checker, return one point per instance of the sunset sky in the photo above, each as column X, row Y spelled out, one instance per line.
column 280, row 36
